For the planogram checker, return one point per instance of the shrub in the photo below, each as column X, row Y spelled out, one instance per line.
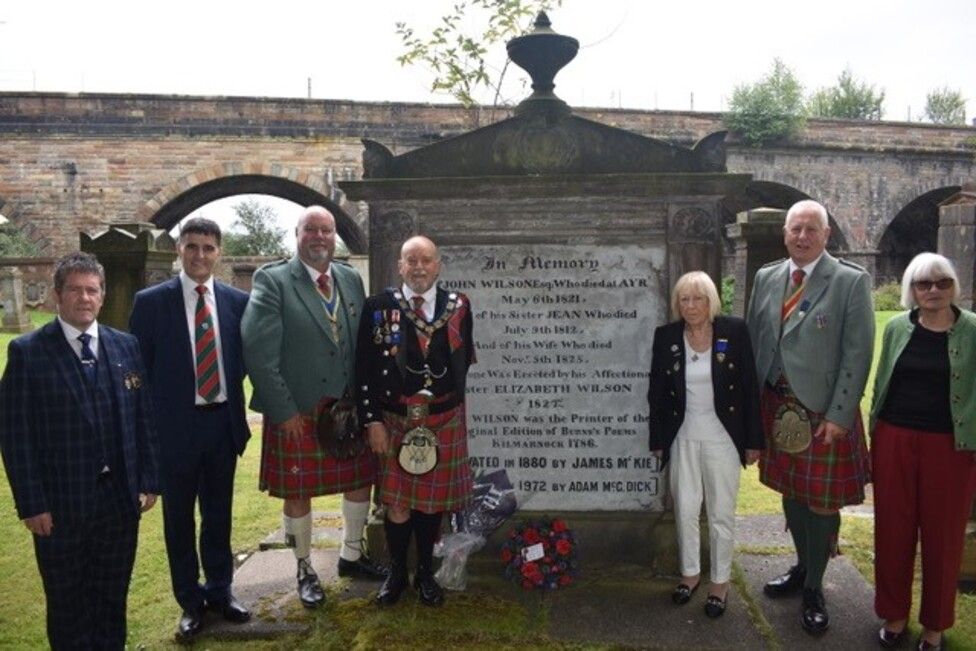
column 887, row 297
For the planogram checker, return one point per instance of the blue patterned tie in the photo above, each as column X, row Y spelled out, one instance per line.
column 88, row 360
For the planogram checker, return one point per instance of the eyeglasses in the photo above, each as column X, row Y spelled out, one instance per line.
column 926, row 285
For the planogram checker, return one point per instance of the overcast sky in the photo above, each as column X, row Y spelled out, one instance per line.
column 634, row 53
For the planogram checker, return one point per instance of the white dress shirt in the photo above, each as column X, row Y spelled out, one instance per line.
column 430, row 300
column 71, row 334
column 190, row 297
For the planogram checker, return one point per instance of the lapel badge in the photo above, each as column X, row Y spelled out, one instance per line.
column 132, row 380
column 677, row 367
column 720, row 357
column 721, row 345
column 821, row 321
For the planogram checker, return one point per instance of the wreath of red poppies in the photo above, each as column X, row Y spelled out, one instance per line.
column 540, row 555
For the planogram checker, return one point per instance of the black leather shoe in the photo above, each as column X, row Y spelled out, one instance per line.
column 392, row 588
column 230, row 609
column 191, row 623
column 928, row 646
column 682, row 593
column 430, row 592
column 362, row 568
column 309, row 589
column 813, row 615
column 786, row 584
column 890, row 639
column 714, row 606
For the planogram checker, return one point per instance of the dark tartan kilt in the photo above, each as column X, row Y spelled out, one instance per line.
column 822, row 476
column 299, row 469
column 445, row 488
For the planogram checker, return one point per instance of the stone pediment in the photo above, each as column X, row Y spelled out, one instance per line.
column 544, row 137
column 537, row 144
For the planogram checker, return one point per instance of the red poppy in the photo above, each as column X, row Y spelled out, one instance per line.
column 565, row 579
column 563, row 548
column 506, row 554
column 528, row 569
column 558, row 526
column 531, row 536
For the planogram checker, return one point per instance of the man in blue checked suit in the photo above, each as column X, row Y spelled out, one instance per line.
column 79, row 448
column 189, row 331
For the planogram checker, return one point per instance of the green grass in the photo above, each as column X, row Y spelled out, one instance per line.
column 352, row 624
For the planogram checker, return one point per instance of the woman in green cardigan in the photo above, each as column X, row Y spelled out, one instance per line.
column 923, row 422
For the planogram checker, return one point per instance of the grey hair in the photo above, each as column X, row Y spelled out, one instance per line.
column 808, row 205
column 927, row 266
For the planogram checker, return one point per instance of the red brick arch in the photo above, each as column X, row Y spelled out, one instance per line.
column 178, row 199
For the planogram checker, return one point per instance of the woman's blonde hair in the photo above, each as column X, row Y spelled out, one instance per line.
column 697, row 282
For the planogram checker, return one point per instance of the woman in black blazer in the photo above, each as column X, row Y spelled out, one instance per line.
column 704, row 419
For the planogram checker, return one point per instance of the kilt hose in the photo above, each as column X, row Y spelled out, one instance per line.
column 445, row 488
column 822, row 476
column 299, row 469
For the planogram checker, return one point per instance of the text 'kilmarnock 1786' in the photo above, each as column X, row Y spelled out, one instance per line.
column 559, row 394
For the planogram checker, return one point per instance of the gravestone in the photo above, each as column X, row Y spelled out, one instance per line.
column 15, row 317
column 758, row 238
column 135, row 256
column 957, row 239
column 566, row 234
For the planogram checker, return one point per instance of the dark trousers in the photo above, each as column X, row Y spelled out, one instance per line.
column 86, row 566
column 923, row 488
column 201, row 472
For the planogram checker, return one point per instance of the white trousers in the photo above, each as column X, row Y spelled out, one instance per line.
column 709, row 470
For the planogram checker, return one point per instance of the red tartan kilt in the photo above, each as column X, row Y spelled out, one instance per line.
column 445, row 488
column 299, row 469
column 822, row 476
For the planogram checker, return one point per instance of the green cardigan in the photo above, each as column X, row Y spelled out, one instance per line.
column 962, row 368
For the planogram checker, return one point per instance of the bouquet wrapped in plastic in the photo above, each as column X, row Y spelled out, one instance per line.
column 493, row 502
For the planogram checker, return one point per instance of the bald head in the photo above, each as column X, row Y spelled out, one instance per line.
column 419, row 264
column 316, row 237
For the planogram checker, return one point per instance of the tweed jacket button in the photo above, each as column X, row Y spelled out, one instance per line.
column 732, row 409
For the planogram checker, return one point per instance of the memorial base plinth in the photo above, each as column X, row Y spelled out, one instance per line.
column 603, row 538
column 15, row 326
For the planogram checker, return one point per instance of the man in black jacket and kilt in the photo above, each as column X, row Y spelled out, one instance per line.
column 413, row 354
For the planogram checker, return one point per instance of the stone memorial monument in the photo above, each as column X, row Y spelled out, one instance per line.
column 134, row 256
column 567, row 235
column 15, row 317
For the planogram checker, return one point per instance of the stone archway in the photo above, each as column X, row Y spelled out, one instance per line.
column 769, row 194
column 914, row 229
column 177, row 200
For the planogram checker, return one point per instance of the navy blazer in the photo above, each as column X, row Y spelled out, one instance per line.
column 46, row 426
column 158, row 320
column 733, row 382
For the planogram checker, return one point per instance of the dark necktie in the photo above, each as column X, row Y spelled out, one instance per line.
column 88, row 360
column 796, row 291
column 205, row 349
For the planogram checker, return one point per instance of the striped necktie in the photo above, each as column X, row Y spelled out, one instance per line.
column 205, row 348
column 418, row 308
column 796, row 291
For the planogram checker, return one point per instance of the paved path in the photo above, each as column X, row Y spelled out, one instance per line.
column 617, row 606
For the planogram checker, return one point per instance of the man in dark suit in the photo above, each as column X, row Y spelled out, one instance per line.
column 79, row 447
column 415, row 347
column 189, row 331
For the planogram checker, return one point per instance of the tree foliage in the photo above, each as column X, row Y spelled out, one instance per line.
column 255, row 232
column 945, row 106
column 768, row 110
column 850, row 98
column 460, row 55
column 14, row 244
